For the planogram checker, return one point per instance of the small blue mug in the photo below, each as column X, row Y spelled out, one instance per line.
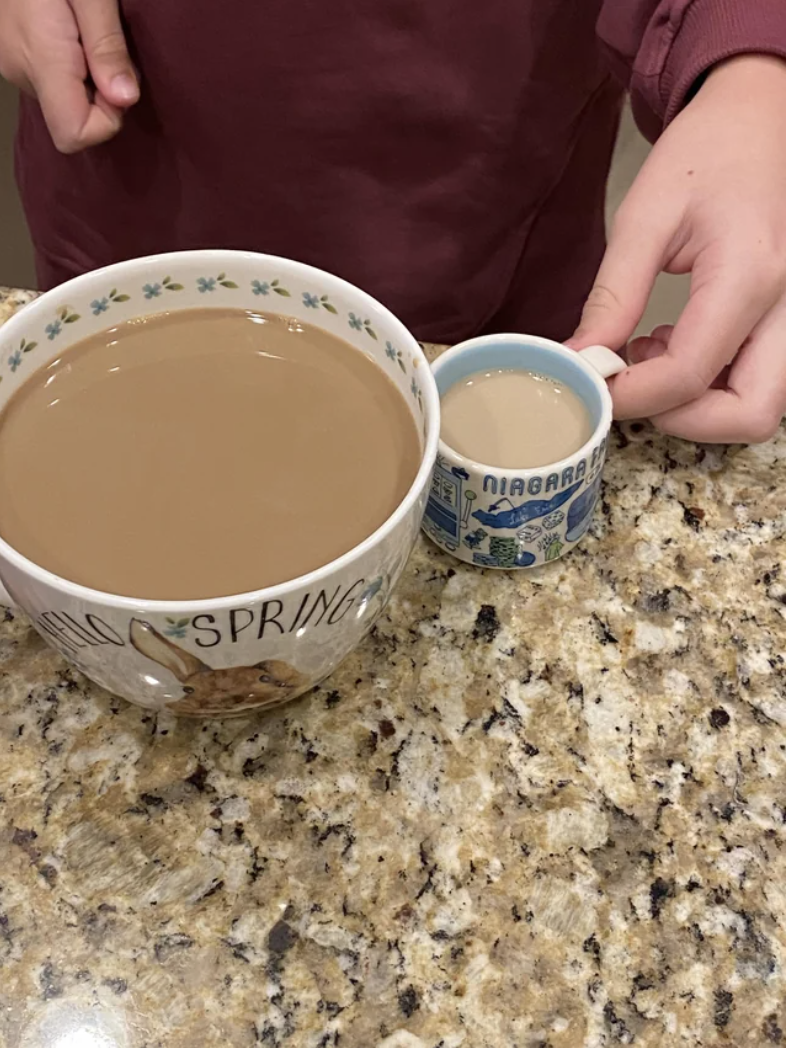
column 521, row 518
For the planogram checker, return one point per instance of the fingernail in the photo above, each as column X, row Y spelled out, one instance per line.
column 125, row 88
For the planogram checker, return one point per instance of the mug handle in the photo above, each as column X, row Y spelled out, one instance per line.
column 604, row 360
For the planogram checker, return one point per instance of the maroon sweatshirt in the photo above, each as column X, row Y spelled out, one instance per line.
column 448, row 157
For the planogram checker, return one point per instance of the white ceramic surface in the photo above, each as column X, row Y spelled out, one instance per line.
column 257, row 649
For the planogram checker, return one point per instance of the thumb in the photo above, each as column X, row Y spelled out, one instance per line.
column 634, row 258
column 106, row 52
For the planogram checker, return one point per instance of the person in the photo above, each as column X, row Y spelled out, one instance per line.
column 450, row 158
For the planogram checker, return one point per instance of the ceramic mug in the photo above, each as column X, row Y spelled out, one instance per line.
column 256, row 649
column 520, row 518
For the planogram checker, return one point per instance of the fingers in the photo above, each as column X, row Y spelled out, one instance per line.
column 750, row 408
column 106, row 52
column 56, row 72
column 650, row 346
column 616, row 304
column 728, row 300
column 74, row 121
column 655, row 345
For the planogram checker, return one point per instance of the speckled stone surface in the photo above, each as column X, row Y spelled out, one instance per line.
column 541, row 809
column 12, row 300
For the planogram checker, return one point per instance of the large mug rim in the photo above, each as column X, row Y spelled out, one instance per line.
column 575, row 358
column 75, row 590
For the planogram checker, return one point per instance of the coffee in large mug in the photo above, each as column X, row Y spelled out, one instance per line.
column 202, row 453
column 359, row 479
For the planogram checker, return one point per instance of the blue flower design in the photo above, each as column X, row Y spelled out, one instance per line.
column 355, row 322
column 177, row 628
column 310, row 301
column 15, row 360
column 206, row 284
column 152, row 290
column 260, row 288
column 99, row 305
column 390, row 350
column 53, row 329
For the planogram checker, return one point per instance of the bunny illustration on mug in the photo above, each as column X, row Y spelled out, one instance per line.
column 217, row 692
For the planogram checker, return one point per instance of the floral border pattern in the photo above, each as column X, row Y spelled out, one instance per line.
column 206, row 285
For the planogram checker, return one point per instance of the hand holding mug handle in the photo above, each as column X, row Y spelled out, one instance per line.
column 604, row 360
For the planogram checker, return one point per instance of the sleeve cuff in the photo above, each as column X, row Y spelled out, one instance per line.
column 711, row 31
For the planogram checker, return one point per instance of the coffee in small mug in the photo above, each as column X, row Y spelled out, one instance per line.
column 525, row 426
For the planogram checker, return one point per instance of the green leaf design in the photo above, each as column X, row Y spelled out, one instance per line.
column 72, row 319
column 122, row 298
column 371, row 331
column 227, row 283
column 174, row 287
column 324, row 298
column 113, row 292
column 274, row 283
column 282, row 291
column 63, row 313
column 183, row 622
column 22, row 345
column 221, row 276
column 29, row 347
column 166, row 280
column 330, row 307
column 402, row 365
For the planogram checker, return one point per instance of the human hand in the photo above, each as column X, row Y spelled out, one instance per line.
column 50, row 47
column 710, row 201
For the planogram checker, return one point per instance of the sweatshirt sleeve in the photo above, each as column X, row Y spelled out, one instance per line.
column 661, row 48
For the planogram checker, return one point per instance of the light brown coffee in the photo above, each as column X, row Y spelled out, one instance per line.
column 514, row 419
column 200, row 454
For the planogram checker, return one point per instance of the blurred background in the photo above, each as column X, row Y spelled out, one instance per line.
column 16, row 254
column 16, row 257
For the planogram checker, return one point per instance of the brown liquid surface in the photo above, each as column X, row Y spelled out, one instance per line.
column 200, row 454
column 514, row 419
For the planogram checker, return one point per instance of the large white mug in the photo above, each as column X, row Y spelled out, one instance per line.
column 257, row 649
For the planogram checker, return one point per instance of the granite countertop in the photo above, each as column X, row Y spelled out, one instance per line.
column 535, row 809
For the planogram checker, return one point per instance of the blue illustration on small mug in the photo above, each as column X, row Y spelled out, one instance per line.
column 515, row 516
column 581, row 511
column 511, row 534
column 444, row 509
column 520, row 519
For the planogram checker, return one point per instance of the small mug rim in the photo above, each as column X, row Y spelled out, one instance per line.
column 419, row 484
column 447, row 451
